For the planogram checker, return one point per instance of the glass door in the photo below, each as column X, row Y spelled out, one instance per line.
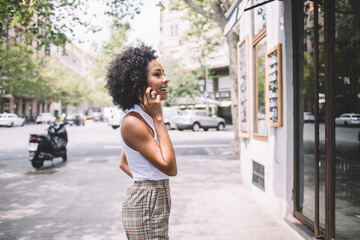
column 327, row 107
column 310, row 118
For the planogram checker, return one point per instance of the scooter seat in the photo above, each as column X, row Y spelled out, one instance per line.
column 44, row 136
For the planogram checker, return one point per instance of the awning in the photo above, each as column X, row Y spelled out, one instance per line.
column 234, row 14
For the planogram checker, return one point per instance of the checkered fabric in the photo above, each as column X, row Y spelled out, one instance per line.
column 146, row 210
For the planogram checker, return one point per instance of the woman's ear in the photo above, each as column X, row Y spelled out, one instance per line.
column 141, row 93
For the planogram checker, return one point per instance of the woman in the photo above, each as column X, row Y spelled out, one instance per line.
column 137, row 83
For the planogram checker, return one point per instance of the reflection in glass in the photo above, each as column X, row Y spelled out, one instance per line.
column 260, row 122
column 306, row 192
column 347, row 131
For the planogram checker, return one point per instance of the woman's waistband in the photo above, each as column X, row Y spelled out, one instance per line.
column 152, row 184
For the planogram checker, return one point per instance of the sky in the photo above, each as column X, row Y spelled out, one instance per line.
column 145, row 26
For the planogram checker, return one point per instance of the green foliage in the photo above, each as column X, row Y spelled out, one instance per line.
column 56, row 82
column 182, row 82
column 18, row 69
column 25, row 74
column 115, row 45
column 202, row 32
column 47, row 21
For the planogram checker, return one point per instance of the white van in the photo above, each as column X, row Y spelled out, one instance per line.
column 170, row 116
column 114, row 117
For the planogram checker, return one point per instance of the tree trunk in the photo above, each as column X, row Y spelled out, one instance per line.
column 232, row 40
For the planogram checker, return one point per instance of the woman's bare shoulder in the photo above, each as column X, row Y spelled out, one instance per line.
column 133, row 124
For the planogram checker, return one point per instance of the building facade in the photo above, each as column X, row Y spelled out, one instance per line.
column 299, row 105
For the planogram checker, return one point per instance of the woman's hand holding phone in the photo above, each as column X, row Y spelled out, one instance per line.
column 152, row 104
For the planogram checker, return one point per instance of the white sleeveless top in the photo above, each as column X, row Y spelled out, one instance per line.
column 140, row 168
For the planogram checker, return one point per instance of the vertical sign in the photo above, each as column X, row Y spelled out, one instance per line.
column 274, row 87
column 244, row 87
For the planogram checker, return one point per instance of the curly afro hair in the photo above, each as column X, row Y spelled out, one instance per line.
column 127, row 75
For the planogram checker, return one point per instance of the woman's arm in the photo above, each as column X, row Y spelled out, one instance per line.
column 137, row 136
column 124, row 164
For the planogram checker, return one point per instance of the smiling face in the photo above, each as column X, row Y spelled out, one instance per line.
column 157, row 80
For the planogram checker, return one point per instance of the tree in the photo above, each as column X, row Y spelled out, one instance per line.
column 115, row 45
column 52, row 21
column 214, row 11
column 182, row 82
column 56, row 82
column 25, row 74
column 18, row 69
column 204, row 33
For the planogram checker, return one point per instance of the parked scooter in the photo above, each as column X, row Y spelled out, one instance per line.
column 48, row 146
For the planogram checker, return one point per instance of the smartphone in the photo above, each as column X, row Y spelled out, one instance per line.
column 152, row 96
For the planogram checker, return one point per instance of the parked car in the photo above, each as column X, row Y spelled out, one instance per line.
column 45, row 118
column 98, row 117
column 196, row 119
column 115, row 117
column 309, row 117
column 75, row 119
column 11, row 120
column 170, row 116
column 348, row 119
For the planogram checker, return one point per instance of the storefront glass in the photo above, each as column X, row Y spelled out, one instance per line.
column 260, row 127
column 343, row 218
column 347, row 119
column 308, row 112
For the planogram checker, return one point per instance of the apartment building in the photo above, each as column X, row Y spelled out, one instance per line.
column 215, row 88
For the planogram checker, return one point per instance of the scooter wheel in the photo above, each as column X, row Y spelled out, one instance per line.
column 37, row 163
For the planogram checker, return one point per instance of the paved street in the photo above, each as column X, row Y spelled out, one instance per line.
column 81, row 199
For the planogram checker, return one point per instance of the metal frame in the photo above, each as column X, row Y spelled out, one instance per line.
column 329, row 6
column 316, row 102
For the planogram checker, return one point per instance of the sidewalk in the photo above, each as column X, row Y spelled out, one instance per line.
column 82, row 200
column 210, row 203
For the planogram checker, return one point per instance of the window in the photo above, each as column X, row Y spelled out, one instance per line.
column 260, row 126
column 174, row 31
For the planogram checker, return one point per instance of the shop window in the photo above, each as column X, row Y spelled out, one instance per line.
column 260, row 126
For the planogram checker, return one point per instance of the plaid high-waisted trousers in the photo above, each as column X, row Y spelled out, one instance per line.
column 146, row 210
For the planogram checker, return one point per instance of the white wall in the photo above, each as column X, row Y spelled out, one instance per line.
column 275, row 154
